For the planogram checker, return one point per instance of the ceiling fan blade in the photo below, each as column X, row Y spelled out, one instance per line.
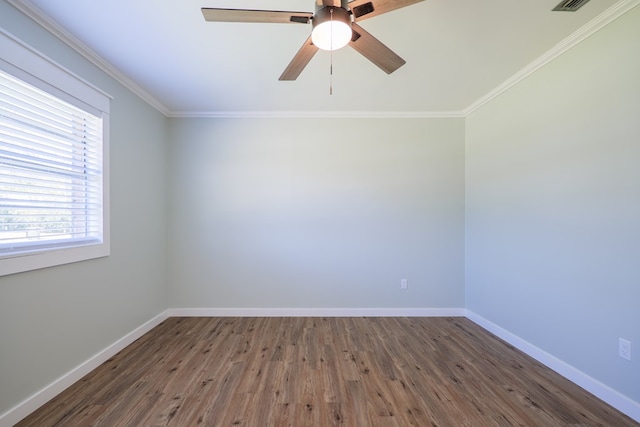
column 365, row 9
column 248, row 15
column 299, row 61
column 374, row 50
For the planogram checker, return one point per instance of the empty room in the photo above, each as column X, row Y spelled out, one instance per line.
column 317, row 213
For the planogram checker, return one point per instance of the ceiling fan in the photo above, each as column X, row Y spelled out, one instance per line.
column 334, row 26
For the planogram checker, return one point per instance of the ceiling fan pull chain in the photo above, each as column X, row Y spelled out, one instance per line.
column 330, row 72
column 331, row 76
column 331, row 56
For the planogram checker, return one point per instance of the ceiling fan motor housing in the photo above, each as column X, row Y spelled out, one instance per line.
column 324, row 15
column 323, row 4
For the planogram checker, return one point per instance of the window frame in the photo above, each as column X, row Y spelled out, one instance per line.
column 25, row 63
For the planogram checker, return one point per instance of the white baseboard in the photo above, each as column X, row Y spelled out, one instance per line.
column 612, row 397
column 593, row 386
column 20, row 411
column 317, row 312
column 32, row 403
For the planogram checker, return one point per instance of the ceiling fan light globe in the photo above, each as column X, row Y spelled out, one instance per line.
column 331, row 35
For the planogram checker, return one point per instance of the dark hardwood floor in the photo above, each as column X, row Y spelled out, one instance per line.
column 323, row 372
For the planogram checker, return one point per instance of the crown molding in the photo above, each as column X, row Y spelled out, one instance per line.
column 587, row 30
column 319, row 114
column 599, row 22
column 37, row 15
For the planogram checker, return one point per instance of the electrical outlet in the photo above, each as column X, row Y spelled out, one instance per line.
column 624, row 349
column 404, row 283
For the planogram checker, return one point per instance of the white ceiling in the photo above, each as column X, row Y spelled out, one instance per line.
column 457, row 51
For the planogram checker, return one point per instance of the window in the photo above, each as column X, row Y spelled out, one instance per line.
column 53, row 163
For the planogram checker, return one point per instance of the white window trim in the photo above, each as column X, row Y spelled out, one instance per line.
column 29, row 65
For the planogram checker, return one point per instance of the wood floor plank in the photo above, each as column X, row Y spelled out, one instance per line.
column 296, row 372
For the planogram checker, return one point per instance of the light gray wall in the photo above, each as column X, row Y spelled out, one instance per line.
column 291, row 213
column 553, row 206
column 316, row 213
column 53, row 319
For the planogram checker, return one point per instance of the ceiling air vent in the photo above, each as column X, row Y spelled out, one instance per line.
column 569, row 5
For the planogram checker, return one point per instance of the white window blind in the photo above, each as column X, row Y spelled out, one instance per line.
column 51, row 192
column 54, row 162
